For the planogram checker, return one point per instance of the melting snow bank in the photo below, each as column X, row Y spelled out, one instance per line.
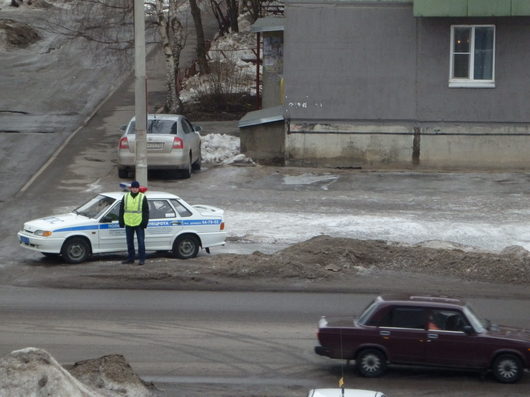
column 222, row 149
column 294, row 227
column 33, row 372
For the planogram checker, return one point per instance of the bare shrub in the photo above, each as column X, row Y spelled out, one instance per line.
column 225, row 78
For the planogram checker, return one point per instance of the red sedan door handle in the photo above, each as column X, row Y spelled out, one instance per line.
column 384, row 333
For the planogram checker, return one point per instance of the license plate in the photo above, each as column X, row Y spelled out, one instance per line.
column 24, row 240
column 155, row 146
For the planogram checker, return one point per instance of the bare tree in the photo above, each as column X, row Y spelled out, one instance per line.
column 199, row 31
column 226, row 12
column 105, row 22
column 233, row 14
column 253, row 7
column 173, row 36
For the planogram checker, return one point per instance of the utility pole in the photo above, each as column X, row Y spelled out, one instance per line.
column 140, row 92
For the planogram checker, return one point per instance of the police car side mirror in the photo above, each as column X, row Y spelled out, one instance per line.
column 123, row 127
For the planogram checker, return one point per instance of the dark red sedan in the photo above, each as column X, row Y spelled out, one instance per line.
column 421, row 330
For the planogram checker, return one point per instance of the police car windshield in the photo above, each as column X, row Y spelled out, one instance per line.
column 95, row 207
column 156, row 127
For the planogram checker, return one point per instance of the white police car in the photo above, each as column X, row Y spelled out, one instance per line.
column 93, row 228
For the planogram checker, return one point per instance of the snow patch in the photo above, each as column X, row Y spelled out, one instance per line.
column 289, row 228
column 222, row 149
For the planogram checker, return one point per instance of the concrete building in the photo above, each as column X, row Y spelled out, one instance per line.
column 403, row 83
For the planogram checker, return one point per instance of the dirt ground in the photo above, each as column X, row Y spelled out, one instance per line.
column 322, row 263
column 111, row 372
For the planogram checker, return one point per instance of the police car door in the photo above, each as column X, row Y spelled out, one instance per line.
column 111, row 236
column 164, row 224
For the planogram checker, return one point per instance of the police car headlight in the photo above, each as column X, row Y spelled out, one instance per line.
column 43, row 233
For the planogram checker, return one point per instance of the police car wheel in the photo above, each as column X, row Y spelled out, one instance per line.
column 75, row 250
column 186, row 247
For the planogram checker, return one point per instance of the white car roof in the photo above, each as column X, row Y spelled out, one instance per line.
column 347, row 393
column 173, row 117
column 149, row 194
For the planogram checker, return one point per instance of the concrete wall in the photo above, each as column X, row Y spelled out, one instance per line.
column 349, row 150
column 264, row 143
column 466, row 146
column 405, row 146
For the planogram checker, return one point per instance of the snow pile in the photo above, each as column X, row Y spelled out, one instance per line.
column 222, row 149
column 33, row 372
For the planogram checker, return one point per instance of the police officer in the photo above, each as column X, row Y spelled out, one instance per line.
column 134, row 216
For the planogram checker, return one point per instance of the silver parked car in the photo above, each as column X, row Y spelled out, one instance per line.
column 173, row 144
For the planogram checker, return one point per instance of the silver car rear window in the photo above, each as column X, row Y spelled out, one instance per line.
column 156, row 127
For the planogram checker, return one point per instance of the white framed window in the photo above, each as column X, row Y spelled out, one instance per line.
column 472, row 56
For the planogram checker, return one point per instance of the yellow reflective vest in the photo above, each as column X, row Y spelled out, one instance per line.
column 132, row 209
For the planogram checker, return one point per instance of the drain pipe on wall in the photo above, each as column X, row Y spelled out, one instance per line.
column 416, row 146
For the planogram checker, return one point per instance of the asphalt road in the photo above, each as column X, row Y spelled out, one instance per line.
column 223, row 342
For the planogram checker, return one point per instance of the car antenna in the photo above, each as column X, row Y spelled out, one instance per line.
column 341, row 385
column 341, row 380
